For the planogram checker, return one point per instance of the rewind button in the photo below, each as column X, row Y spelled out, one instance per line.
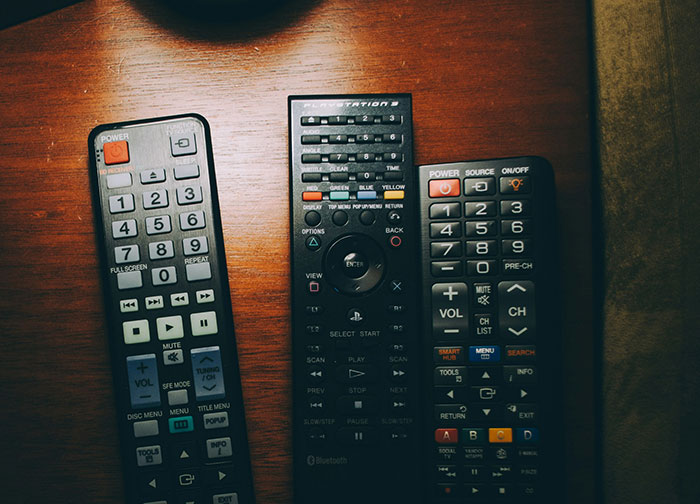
column 179, row 299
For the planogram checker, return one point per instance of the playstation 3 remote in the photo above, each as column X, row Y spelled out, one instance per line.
column 355, row 287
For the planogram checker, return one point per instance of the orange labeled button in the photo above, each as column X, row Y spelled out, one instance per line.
column 501, row 435
column 448, row 354
column 444, row 188
column 312, row 196
column 393, row 194
column 116, row 152
column 446, row 436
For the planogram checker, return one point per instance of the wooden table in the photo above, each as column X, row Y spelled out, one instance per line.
column 489, row 79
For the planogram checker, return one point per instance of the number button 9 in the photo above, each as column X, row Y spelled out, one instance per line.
column 195, row 246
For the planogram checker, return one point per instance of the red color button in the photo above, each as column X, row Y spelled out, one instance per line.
column 444, row 188
column 311, row 196
column 446, row 436
column 116, row 152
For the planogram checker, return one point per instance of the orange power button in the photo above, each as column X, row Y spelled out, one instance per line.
column 444, row 188
column 116, row 152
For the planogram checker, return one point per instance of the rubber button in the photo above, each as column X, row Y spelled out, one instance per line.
column 444, row 188
column 312, row 196
column 313, row 243
column 340, row 218
column 312, row 218
column 367, row 217
column 355, row 265
column 116, row 152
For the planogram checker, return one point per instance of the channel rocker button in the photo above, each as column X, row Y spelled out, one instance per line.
column 444, row 188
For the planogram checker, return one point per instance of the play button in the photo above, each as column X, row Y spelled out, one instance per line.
column 170, row 327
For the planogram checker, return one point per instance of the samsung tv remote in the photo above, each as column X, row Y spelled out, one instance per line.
column 491, row 342
column 354, row 300
column 179, row 403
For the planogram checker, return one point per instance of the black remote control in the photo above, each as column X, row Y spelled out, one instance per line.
column 491, row 340
column 179, row 403
column 354, row 300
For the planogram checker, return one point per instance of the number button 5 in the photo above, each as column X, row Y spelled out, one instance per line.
column 158, row 225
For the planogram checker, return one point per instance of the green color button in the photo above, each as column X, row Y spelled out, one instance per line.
column 339, row 195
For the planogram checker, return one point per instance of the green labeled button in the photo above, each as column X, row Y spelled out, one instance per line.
column 180, row 424
column 339, row 195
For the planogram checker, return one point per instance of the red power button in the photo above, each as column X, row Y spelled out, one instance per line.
column 444, row 188
column 116, row 152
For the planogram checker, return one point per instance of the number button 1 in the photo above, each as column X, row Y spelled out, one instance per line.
column 121, row 203
column 192, row 220
column 445, row 211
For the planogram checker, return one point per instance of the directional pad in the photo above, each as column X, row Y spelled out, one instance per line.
column 355, row 264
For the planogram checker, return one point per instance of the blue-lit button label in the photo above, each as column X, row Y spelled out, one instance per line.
column 142, row 373
column 364, row 195
column 180, row 424
column 208, row 374
column 484, row 353
column 530, row 435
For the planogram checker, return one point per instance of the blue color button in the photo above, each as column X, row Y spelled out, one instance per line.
column 529, row 435
column 484, row 353
column 339, row 195
column 361, row 195
column 207, row 373
column 180, row 424
column 144, row 389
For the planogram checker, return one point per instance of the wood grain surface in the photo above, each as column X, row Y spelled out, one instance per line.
column 490, row 78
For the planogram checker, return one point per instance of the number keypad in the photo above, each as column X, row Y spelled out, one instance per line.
column 174, row 359
column 492, row 424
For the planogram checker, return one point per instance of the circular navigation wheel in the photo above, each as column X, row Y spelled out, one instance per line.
column 354, row 264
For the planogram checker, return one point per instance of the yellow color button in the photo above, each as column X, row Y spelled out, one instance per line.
column 501, row 435
column 393, row 194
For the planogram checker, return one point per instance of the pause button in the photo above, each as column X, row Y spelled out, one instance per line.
column 203, row 323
